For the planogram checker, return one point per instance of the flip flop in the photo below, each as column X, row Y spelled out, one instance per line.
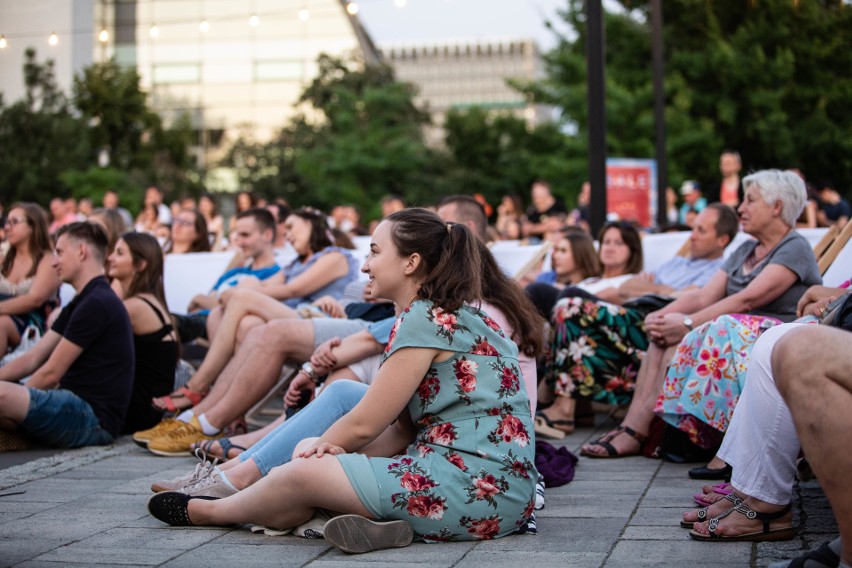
column 719, row 489
column 783, row 533
column 183, row 392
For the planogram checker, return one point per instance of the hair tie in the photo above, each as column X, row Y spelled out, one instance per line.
column 450, row 228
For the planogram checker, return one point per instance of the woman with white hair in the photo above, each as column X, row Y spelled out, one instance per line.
column 700, row 342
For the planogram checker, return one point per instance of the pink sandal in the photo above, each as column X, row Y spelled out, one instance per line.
column 722, row 489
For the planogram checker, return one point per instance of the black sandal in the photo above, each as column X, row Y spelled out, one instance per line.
column 702, row 512
column 172, row 507
column 611, row 452
column 784, row 533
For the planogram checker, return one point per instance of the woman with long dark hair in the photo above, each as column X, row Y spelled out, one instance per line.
column 136, row 264
column 28, row 282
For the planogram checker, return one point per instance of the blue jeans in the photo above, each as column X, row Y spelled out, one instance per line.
column 61, row 418
column 277, row 447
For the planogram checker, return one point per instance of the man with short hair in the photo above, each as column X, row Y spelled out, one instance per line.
column 712, row 232
column 88, row 354
column 465, row 210
column 254, row 236
column 546, row 213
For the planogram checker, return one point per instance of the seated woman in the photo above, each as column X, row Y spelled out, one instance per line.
column 188, row 233
column 136, row 264
column 28, row 282
column 505, row 304
column 321, row 269
column 607, row 374
column 761, row 444
column 450, row 390
column 759, row 284
column 573, row 261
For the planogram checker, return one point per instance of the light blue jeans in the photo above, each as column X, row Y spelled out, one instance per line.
column 277, row 447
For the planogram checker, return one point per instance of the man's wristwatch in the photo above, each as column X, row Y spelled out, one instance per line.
column 308, row 369
column 687, row 321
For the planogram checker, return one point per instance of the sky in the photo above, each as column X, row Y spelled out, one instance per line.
column 427, row 21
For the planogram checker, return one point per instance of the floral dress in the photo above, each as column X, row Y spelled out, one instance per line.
column 470, row 473
column 596, row 350
column 707, row 374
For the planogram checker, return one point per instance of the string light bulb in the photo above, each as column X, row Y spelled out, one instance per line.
column 352, row 8
column 304, row 14
column 204, row 26
column 2, row 42
column 154, row 32
column 103, row 37
column 254, row 21
column 53, row 39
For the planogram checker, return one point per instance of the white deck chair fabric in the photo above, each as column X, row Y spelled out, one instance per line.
column 841, row 269
column 186, row 275
column 517, row 259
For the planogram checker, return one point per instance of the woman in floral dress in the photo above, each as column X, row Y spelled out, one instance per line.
column 700, row 342
column 448, row 400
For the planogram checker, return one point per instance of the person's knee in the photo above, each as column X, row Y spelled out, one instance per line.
column 302, row 446
column 793, row 352
column 246, row 324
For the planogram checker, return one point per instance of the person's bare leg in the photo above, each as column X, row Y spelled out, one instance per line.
column 222, row 346
column 214, row 320
column 811, row 368
column 649, row 382
column 285, row 498
column 271, row 345
column 9, row 335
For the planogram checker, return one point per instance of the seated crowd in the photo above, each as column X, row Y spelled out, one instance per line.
column 413, row 413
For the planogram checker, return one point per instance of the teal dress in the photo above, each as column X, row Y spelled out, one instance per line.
column 469, row 474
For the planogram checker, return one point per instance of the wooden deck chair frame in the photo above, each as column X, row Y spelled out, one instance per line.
column 825, row 241
column 260, row 414
column 836, row 246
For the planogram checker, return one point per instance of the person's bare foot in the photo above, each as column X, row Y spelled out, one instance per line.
column 616, row 443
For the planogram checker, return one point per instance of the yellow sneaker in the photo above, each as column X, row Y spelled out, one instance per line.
column 165, row 426
column 177, row 442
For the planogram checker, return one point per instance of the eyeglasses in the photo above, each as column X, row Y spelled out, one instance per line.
column 184, row 222
column 11, row 221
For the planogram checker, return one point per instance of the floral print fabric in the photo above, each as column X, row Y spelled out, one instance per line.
column 470, row 472
column 707, row 374
column 596, row 350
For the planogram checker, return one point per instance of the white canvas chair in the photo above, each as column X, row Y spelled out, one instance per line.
column 186, row 275
column 517, row 260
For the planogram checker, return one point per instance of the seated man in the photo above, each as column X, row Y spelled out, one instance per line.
column 254, row 235
column 88, row 354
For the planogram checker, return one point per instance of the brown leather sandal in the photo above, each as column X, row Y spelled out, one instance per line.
column 611, row 451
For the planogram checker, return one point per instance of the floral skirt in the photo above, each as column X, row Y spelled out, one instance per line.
column 707, row 374
column 596, row 350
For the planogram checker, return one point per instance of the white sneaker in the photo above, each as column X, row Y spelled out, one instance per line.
column 203, row 468
column 211, row 486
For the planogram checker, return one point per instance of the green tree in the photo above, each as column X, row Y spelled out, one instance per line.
column 358, row 137
column 40, row 137
column 496, row 154
column 767, row 78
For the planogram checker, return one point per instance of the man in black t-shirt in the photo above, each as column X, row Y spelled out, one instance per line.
column 546, row 214
column 82, row 369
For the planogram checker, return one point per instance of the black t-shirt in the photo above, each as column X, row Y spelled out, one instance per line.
column 558, row 208
column 102, row 375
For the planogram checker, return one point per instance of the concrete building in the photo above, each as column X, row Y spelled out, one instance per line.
column 458, row 75
column 236, row 68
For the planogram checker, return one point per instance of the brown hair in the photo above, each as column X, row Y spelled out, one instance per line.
column 90, row 233
column 451, row 267
column 113, row 224
column 583, row 251
column 202, row 236
column 631, row 238
column 727, row 223
column 40, row 244
column 505, row 294
column 320, row 237
column 144, row 247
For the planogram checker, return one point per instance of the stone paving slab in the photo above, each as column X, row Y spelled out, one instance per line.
column 88, row 508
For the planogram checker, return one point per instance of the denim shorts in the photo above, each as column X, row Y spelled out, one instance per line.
column 61, row 418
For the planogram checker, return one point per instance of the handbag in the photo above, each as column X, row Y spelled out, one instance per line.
column 839, row 313
column 29, row 338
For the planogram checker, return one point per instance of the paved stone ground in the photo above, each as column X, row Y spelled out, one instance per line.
column 88, row 507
